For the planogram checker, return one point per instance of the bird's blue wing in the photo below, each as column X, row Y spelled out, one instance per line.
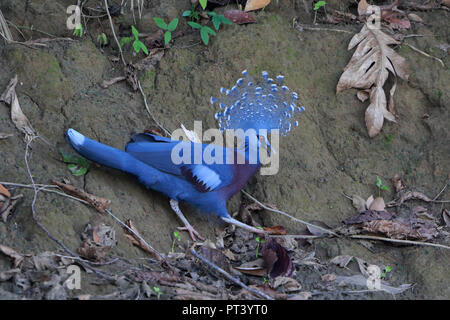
column 160, row 152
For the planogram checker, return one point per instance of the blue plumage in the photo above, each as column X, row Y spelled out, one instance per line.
column 204, row 184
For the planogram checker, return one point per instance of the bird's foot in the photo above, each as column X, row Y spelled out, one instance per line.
column 192, row 232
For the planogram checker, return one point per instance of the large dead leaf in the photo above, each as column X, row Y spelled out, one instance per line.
column 255, row 4
column 369, row 68
column 17, row 116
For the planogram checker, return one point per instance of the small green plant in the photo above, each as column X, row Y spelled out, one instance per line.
column 204, row 31
column 388, row 138
column 317, row 6
column 265, row 280
column 168, row 27
column 259, row 242
column 78, row 166
column 138, row 45
column 102, row 39
column 176, row 235
column 157, row 291
column 78, row 31
column 440, row 94
column 217, row 19
column 385, row 272
column 203, row 3
column 381, row 186
column 192, row 14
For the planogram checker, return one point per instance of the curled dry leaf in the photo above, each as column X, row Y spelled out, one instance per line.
column 255, row 4
column 135, row 240
column 412, row 195
column 414, row 17
column 239, row 17
column 446, row 217
column 101, row 204
column 369, row 68
column 397, row 230
column 358, row 203
column 362, row 7
column 254, row 268
column 17, row 116
column 279, row 230
column 277, row 259
column 16, row 257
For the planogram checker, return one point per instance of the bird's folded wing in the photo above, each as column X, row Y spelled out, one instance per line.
column 160, row 153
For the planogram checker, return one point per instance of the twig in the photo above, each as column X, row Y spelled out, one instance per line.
column 443, row 189
column 159, row 255
column 114, row 33
column 301, row 27
column 401, row 241
column 148, row 109
column 296, row 236
column 425, row 54
column 289, row 216
column 229, row 277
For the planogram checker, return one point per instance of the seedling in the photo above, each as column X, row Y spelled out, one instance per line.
column 168, row 27
column 217, row 19
column 203, row 3
column 78, row 31
column 381, row 186
column 259, row 242
column 157, row 291
column 385, row 272
column 78, row 166
column 102, row 39
column 138, row 45
column 204, row 31
column 389, row 138
column 192, row 14
column 317, row 6
column 176, row 235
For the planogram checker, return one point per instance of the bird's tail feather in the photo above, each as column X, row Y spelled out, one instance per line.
column 102, row 154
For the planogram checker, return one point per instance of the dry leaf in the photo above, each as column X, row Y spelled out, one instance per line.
column 304, row 295
column 4, row 191
column 362, row 7
column 255, row 4
column 7, row 207
column 369, row 201
column 368, row 215
column 412, row 195
column 17, row 116
column 360, row 280
column 329, row 277
column 398, row 183
column 377, row 204
column 135, row 240
column 358, row 203
column 363, row 95
column 393, row 229
column 98, row 203
column 446, row 217
column 5, row 135
column 414, row 17
column 341, row 261
column 191, row 135
column 369, row 68
column 17, row 258
column 277, row 260
column 254, row 268
column 279, row 230
column 287, row 283
column 239, row 17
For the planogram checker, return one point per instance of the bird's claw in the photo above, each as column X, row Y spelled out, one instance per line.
column 192, row 232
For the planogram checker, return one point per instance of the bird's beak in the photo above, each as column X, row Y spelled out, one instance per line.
column 243, row 225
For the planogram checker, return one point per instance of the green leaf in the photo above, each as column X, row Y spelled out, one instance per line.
column 77, row 170
column 204, row 35
column 224, row 20
column 212, row 14
column 125, row 40
column 139, row 45
column 160, row 23
column 187, row 13
column 216, row 22
column 203, row 3
column 319, row 5
column 173, row 25
column 209, row 30
column 68, row 158
column 195, row 25
column 135, row 32
column 385, row 188
column 388, row 269
column 378, row 182
column 167, row 37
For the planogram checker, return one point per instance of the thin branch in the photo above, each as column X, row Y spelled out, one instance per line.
column 289, row 216
column 114, row 32
column 148, row 109
column 401, row 241
column 229, row 277
column 443, row 189
column 425, row 54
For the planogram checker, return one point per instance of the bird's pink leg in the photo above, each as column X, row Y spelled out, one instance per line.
column 187, row 225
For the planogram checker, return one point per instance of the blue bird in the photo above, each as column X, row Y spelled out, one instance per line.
column 222, row 171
